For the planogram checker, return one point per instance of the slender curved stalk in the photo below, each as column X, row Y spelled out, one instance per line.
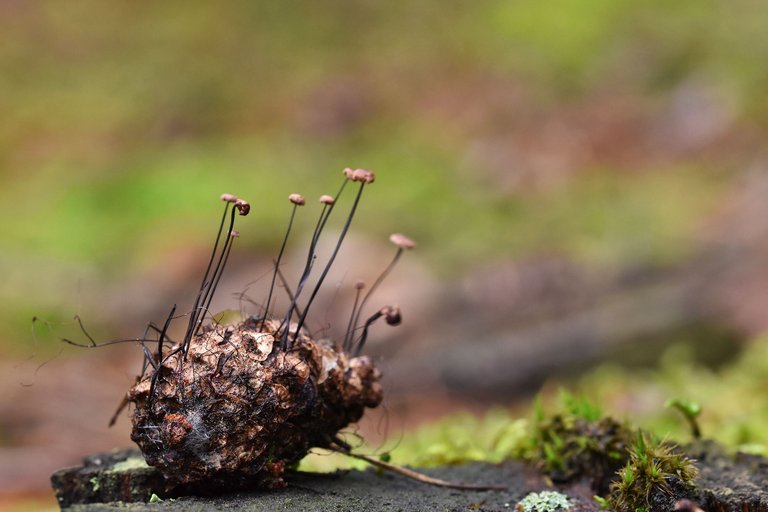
column 277, row 265
column 330, row 261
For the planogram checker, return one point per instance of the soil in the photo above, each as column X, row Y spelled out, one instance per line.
column 121, row 481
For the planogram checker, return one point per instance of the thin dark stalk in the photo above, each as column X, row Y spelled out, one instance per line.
column 319, row 228
column 156, row 376
column 148, row 359
column 287, row 289
column 82, row 328
column 204, row 283
column 161, row 338
column 155, row 328
column 195, row 319
column 277, row 265
column 347, row 334
column 217, row 278
column 163, row 333
column 330, row 261
column 120, row 407
column 376, row 284
column 211, row 288
column 106, row 343
column 316, row 234
column 327, row 209
column 364, row 336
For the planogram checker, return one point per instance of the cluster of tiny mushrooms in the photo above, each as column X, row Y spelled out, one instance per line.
column 287, row 333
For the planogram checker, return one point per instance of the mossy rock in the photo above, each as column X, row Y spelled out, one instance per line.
column 121, row 481
column 373, row 491
column 118, row 476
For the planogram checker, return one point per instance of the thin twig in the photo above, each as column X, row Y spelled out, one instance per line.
column 415, row 475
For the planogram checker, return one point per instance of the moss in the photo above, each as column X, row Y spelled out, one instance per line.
column 579, row 442
column 655, row 475
column 733, row 411
column 460, row 438
column 129, row 464
column 631, row 467
column 690, row 411
column 495, row 437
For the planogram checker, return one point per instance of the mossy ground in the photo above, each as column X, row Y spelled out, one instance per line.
column 576, row 447
column 731, row 412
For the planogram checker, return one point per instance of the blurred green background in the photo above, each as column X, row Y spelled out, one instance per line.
column 607, row 134
column 121, row 123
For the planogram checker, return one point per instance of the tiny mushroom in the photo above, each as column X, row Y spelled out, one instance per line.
column 402, row 241
column 363, row 175
column 243, row 207
column 392, row 315
column 297, row 199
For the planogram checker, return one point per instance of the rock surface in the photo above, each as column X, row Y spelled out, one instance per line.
column 343, row 491
column 122, row 481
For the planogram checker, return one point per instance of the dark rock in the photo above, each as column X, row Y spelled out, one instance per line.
column 343, row 491
column 121, row 481
column 117, row 476
column 734, row 484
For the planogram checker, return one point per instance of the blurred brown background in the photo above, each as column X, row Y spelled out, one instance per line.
column 586, row 181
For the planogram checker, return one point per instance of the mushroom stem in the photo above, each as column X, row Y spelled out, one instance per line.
column 277, row 265
column 350, row 332
column 232, row 236
column 287, row 289
column 347, row 334
column 324, row 214
column 392, row 316
column 364, row 336
column 193, row 316
column 161, row 338
column 330, row 261
column 198, row 312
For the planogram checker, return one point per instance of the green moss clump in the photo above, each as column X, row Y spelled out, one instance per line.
column 655, row 475
column 579, row 442
column 628, row 466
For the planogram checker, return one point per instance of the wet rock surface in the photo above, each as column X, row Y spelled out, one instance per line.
column 344, row 491
column 729, row 483
column 122, row 481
